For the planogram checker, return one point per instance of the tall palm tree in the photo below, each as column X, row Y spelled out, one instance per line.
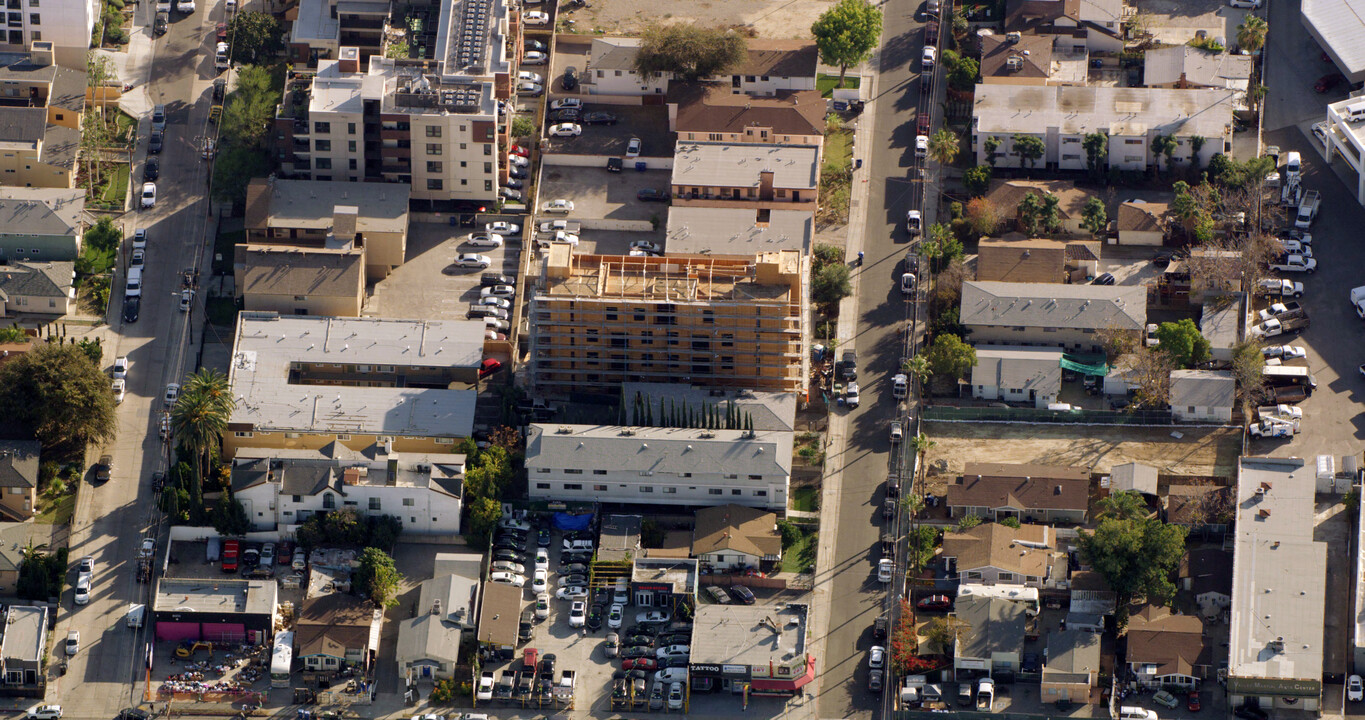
column 198, row 421
column 943, row 147
column 32, row 551
column 1251, row 34
column 212, row 385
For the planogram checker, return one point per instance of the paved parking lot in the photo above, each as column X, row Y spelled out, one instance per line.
column 429, row 284
column 1178, row 21
column 650, row 124
column 599, row 194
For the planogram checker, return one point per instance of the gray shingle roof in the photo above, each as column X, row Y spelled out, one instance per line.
column 40, row 211
column 36, row 279
column 24, row 125
column 1120, row 307
column 1203, row 388
column 661, row 450
column 997, row 626
column 19, row 463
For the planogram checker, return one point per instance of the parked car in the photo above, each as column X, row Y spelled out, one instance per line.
column 566, row 103
column 148, row 195
column 570, row 78
column 502, row 291
column 73, row 642
column 566, row 130
column 151, row 170
column 935, row 603
column 473, row 260
column 558, row 205
column 485, row 691
column 885, row 567
column 530, row 89
column 634, row 147
column 927, row 58
column 577, row 613
column 1165, row 699
column 1329, row 82
column 599, row 118
column 156, row 141
column 718, row 594
column 652, row 195
column 44, row 712
column 121, row 365
column 743, row 594
column 536, row 17
column 1355, row 689
column 1192, row 701
column 534, row 57
column 653, row 617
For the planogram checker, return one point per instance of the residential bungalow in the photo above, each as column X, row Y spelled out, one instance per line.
column 1017, row 374
column 1006, row 195
column 23, row 650
column 41, row 224
column 1096, row 23
column 770, row 66
column 1051, row 315
column 1206, row 573
column 1205, row 509
column 499, row 617
column 1032, row 493
column 18, row 478
column 46, row 289
column 1222, row 324
column 1072, row 667
column 335, row 629
column 1015, row 258
column 995, row 554
column 285, row 487
column 1203, row 395
column 734, row 536
column 1166, row 650
column 754, row 175
column 1142, row 223
column 994, row 638
column 429, row 644
column 713, row 112
column 1186, row 66
column 1131, row 117
column 14, row 537
column 1032, row 59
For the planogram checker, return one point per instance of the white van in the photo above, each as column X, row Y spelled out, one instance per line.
column 133, row 288
column 1354, row 112
column 1130, row 712
column 135, row 614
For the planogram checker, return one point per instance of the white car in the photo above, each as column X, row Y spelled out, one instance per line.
column 502, row 228
column 172, row 392
column 497, row 302
column 1295, row 247
column 542, row 606
column 540, row 581
column 121, row 365
column 120, row 388
column 508, row 566
column 536, row 17
column 566, row 130
column 185, row 6
column 647, row 246
column 675, row 696
column 614, row 616
column 578, row 613
column 558, row 205
column 926, row 60
column 507, row 578
column 148, row 195
column 897, row 431
column 876, row 657
column 1284, row 352
column 633, row 148
column 44, row 712
column 473, row 260
column 503, row 291
column 148, row 548
column 139, row 259
column 542, row 559
column 554, row 226
column 139, row 239
column 671, row 675
column 517, row 160
column 1355, row 689
column 534, row 57
column 573, row 592
column 566, row 103
column 900, row 386
column 73, row 642
column 1245, row 4
column 653, row 616
column 530, row 89
column 484, row 240
column 884, row 570
column 673, row 651
column 83, row 590
column 852, row 395
column 528, row 76
column 485, row 691
column 511, row 523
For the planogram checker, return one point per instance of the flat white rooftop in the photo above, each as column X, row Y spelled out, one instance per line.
column 741, row 165
column 1071, row 110
column 737, row 231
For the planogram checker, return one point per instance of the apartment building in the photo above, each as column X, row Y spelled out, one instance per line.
column 769, row 67
column 778, row 177
column 322, row 27
column 1051, row 314
column 41, row 223
column 658, row 466
column 333, row 215
column 1062, row 116
column 737, row 231
column 1097, row 23
column 305, row 382
column 281, row 488
column 40, row 118
column 65, row 26
column 1186, row 66
column 711, row 112
column 1033, row 59
column 598, row 321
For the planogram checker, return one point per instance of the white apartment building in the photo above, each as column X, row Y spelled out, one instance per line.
column 67, row 24
column 659, row 466
column 770, row 66
column 1061, row 116
column 282, row 488
column 1345, row 135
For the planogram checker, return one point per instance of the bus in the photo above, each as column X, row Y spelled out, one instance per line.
column 281, row 658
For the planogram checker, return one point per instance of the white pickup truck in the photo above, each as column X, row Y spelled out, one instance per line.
column 1281, row 288
column 1358, row 300
column 1294, row 263
column 1308, row 209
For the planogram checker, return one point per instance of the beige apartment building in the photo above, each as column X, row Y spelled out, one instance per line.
column 600, row 320
column 40, row 119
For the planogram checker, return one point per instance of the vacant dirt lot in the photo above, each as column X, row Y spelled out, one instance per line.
column 1197, row 452
column 772, row 19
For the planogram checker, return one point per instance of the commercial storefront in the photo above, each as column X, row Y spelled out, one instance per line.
column 772, row 680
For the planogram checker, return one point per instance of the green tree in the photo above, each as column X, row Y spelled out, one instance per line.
column 922, row 541
column 1182, row 341
column 1030, row 214
column 1248, row 365
column 977, row 180
column 250, row 109
column 200, row 417
column 1093, row 216
column 1251, row 34
column 523, row 127
column 991, row 145
column 917, row 368
column 950, row 357
column 943, row 146
column 791, row 533
column 1136, row 557
column 255, row 38
column 1096, row 146
column 1163, row 145
column 968, row 522
column 1124, row 505
column 831, row 284
column 229, row 517
column 847, row 33
column 234, row 168
column 104, row 235
column 1029, row 148
column 688, row 51
column 946, row 632
column 981, row 216
column 483, row 517
column 13, row 334
column 56, row 393
column 1011, row 522
column 213, row 385
column 1196, row 147
column 1050, row 213
column 377, row 578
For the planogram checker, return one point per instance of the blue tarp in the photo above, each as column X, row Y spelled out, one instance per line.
column 566, row 521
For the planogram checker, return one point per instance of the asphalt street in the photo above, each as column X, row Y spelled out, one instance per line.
column 890, row 171
column 112, row 519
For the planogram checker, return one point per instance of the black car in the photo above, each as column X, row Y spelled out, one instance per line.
column 570, row 78
column 1251, row 712
column 573, row 569
column 1031, row 663
column 742, row 594
column 513, row 183
column 152, row 170
column 131, row 307
column 491, row 279
column 879, row 628
column 508, row 544
column 508, row 554
column 547, row 666
column 154, row 143
column 638, row 640
column 614, row 164
column 526, row 630
column 637, row 651
column 651, row 195
column 599, row 118
column 516, row 172
column 1105, row 279
column 572, row 558
column 543, row 538
column 219, row 90
column 595, row 617
column 535, row 45
column 134, row 714
column 160, row 24
column 566, row 115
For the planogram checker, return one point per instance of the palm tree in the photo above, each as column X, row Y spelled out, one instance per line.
column 1251, row 34
column 32, row 552
column 198, row 422
column 214, row 386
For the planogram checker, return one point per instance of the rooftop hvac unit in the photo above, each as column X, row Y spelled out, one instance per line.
column 1014, row 64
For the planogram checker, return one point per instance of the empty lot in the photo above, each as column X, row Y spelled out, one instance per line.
column 775, row 19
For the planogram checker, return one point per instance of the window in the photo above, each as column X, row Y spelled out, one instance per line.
column 573, row 471
column 488, row 186
column 731, row 477
column 1132, row 142
column 670, row 491
column 374, row 503
column 1132, row 158
column 572, row 486
column 433, row 148
column 350, row 128
column 298, row 498
column 324, row 164
column 713, row 491
column 487, row 149
column 33, row 19
column 434, row 184
column 343, row 438
column 736, row 491
column 242, row 434
column 408, row 502
column 542, row 486
column 646, row 489
column 322, row 127
column 351, row 163
column 322, row 145
column 434, row 166
column 433, row 131
column 599, row 472
column 350, row 146
column 760, row 493
column 599, row 488
column 329, row 502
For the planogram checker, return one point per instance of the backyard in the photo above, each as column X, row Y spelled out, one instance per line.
column 836, row 174
column 826, row 84
column 110, row 186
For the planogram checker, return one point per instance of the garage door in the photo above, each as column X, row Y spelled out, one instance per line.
column 167, row 631
column 225, row 632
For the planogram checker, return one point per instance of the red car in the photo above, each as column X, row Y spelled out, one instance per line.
column 222, row 32
column 936, row 603
column 924, row 123
column 230, row 550
column 643, row 663
column 489, row 366
column 519, row 150
column 1329, row 82
column 1192, row 702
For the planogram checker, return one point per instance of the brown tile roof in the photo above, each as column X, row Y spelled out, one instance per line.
column 330, row 624
column 285, row 270
column 996, row 485
column 1034, row 53
column 1174, row 643
column 1142, row 217
column 1192, row 504
column 736, row 527
column 1209, row 570
column 1036, row 260
column 1006, row 194
column 1029, row 550
column 779, row 58
column 1017, row 11
column 499, row 614
column 1082, row 250
column 711, row 107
